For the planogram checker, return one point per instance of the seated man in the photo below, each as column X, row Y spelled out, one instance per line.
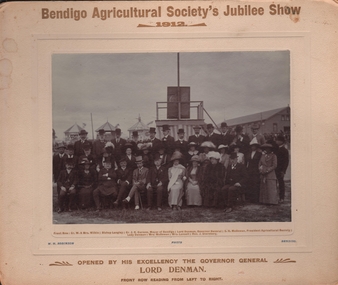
column 107, row 184
column 124, row 176
column 156, row 182
column 139, row 183
column 66, row 182
column 235, row 180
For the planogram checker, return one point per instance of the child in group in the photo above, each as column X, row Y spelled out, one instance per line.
column 107, row 184
column 156, row 182
column 67, row 182
column 139, row 183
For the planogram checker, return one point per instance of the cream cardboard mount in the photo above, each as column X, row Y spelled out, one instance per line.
column 34, row 250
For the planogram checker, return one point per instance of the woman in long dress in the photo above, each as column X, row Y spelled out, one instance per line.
column 267, row 166
column 193, row 192
column 176, row 178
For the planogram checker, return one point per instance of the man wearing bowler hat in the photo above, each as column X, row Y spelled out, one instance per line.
column 124, row 175
column 118, row 143
column 181, row 143
column 226, row 137
column 212, row 136
column 168, row 141
column 78, row 145
column 155, row 142
column 197, row 137
column 98, row 146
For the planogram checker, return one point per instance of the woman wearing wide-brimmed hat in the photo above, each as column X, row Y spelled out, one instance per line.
column 213, row 180
column 192, row 150
column 193, row 191
column 267, row 166
column 176, row 178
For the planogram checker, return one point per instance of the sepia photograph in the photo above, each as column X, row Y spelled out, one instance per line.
column 192, row 137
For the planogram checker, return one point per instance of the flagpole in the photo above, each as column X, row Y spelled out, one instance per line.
column 178, row 86
column 91, row 118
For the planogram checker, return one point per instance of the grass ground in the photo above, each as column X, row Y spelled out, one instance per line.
column 245, row 213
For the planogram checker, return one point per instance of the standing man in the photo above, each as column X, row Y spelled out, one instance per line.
column 197, row 137
column 59, row 161
column 212, row 136
column 119, row 144
column 134, row 141
column 155, row 142
column 168, row 141
column 98, row 146
column 242, row 140
column 181, row 144
column 282, row 164
column 78, row 145
column 226, row 137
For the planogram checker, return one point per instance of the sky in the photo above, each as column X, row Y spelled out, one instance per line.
column 120, row 87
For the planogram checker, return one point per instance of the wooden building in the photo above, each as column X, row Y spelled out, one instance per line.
column 270, row 122
column 72, row 134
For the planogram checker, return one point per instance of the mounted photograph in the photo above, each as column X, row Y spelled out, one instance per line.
column 189, row 137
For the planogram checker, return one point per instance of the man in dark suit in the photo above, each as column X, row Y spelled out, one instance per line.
column 242, row 140
column 59, row 161
column 252, row 159
column 124, row 180
column 78, row 145
column 182, row 145
column 67, row 182
column 119, row 144
column 155, row 142
column 235, row 181
column 226, row 137
column 282, row 164
column 212, row 136
column 98, row 146
column 157, row 180
column 168, row 141
column 197, row 137
column 70, row 154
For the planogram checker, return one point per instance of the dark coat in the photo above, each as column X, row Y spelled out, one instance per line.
column 98, row 147
column 155, row 144
column 169, row 144
column 124, row 175
column 226, row 139
column 237, row 175
column 282, row 159
column 198, row 140
column 78, row 147
column 252, row 163
column 119, row 147
column 156, row 176
column 67, row 180
column 214, row 138
column 75, row 160
column 58, row 165
column 104, row 181
column 214, row 176
column 87, row 179
column 182, row 145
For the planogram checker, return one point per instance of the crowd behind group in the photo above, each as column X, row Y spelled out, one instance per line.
column 216, row 170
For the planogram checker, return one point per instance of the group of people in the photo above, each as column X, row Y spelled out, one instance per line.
column 215, row 170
